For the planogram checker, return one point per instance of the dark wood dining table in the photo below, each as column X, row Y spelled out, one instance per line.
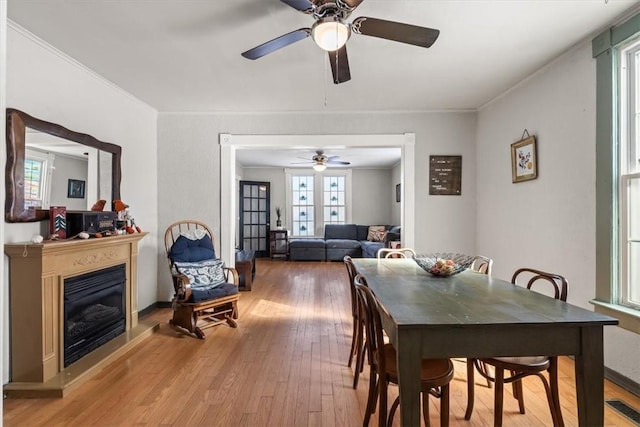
column 474, row 315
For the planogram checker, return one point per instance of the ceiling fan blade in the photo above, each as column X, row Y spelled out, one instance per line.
column 396, row 31
column 277, row 43
column 302, row 5
column 337, row 162
column 340, row 65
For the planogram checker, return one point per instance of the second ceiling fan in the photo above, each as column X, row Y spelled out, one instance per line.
column 331, row 31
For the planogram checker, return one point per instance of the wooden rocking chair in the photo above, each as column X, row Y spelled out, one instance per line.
column 206, row 291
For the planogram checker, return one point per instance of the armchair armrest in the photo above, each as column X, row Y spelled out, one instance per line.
column 231, row 273
column 182, row 287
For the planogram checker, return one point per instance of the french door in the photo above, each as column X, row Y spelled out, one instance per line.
column 255, row 201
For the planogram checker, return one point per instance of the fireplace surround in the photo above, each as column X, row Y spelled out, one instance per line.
column 38, row 276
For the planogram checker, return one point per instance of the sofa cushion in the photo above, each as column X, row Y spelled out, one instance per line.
column 306, row 243
column 370, row 249
column 342, row 244
column 340, row 231
column 363, row 231
column 204, row 294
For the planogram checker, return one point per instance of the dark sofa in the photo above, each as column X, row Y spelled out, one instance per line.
column 340, row 240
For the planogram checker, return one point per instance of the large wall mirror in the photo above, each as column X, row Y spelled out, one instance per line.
column 50, row 165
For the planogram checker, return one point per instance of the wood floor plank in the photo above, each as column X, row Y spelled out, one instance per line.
column 285, row 365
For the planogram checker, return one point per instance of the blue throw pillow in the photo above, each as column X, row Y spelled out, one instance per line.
column 204, row 274
column 192, row 250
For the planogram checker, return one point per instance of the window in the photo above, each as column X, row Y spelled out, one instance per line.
column 617, row 53
column 334, row 208
column 629, row 178
column 317, row 199
column 35, row 179
column 302, row 205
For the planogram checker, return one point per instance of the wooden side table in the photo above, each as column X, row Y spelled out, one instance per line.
column 246, row 267
column 279, row 243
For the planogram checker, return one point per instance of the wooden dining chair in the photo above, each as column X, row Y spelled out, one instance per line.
column 357, row 335
column 520, row 367
column 395, row 253
column 482, row 264
column 436, row 374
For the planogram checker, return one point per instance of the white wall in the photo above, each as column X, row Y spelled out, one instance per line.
column 3, row 106
column 191, row 188
column 371, row 202
column 45, row 83
column 547, row 223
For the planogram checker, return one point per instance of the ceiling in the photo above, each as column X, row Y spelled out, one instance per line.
column 184, row 55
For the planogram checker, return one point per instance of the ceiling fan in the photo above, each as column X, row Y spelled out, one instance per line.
column 331, row 31
column 321, row 160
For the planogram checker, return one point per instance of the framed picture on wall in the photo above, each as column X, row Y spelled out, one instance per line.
column 398, row 192
column 524, row 161
column 75, row 189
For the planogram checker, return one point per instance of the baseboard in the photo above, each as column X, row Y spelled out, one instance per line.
column 149, row 309
column 622, row 381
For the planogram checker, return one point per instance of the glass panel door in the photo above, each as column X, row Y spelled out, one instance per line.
column 254, row 216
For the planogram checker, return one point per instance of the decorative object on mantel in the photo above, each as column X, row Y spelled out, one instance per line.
column 58, row 222
column 278, row 214
column 445, row 175
column 524, row 159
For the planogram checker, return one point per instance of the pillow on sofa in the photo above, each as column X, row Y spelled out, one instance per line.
column 376, row 233
column 203, row 274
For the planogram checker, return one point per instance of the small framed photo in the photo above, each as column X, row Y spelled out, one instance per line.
column 398, row 193
column 75, row 189
column 524, row 160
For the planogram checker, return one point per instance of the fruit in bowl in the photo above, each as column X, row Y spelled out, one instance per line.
column 444, row 264
column 443, row 267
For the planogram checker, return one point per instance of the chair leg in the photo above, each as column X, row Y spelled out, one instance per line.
column 354, row 338
column 518, row 394
column 444, row 405
column 555, row 393
column 470, row 389
column 372, row 398
column 360, row 350
column 392, row 411
column 425, row 407
column 486, row 370
column 383, row 396
column 499, row 397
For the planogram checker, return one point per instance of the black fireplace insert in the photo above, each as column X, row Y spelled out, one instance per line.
column 94, row 310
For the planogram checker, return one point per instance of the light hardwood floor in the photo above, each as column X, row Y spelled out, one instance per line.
column 285, row 365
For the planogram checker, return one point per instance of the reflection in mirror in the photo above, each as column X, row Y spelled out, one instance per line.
column 52, row 164
column 49, row 165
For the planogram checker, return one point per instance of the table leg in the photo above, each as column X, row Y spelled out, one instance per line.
column 409, row 353
column 589, row 365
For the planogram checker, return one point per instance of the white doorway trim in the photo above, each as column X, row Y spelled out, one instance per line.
column 230, row 143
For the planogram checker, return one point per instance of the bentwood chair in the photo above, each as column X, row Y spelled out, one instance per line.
column 436, row 374
column 482, row 264
column 396, row 253
column 206, row 291
column 357, row 336
column 520, row 367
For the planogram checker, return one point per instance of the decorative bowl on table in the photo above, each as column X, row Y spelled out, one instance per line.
column 444, row 264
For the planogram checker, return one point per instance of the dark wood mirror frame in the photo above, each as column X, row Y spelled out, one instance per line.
column 17, row 122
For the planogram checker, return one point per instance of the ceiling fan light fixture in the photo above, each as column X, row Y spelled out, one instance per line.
column 319, row 167
column 330, row 33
